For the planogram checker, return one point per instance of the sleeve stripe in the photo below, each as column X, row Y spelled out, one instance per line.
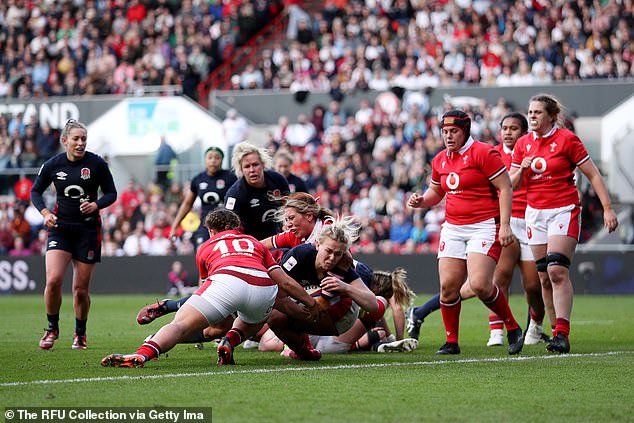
column 516, row 165
column 275, row 266
column 498, row 173
column 435, row 182
column 582, row 161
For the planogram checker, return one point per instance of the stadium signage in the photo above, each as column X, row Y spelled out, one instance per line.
column 14, row 276
column 54, row 114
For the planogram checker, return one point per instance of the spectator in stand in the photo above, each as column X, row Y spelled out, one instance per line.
column 164, row 158
column 400, row 229
column 19, row 248
column 179, row 281
column 6, row 236
column 137, row 243
column 282, row 162
column 19, row 225
column 235, row 129
column 300, row 134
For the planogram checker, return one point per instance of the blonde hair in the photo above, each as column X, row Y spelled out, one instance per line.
column 343, row 229
column 305, row 204
column 553, row 107
column 71, row 124
column 393, row 284
column 245, row 148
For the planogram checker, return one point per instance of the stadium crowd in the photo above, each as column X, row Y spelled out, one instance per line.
column 88, row 47
column 363, row 161
column 354, row 45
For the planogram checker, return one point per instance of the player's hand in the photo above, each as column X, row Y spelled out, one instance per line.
column 415, row 201
column 50, row 221
column 332, row 284
column 506, row 236
column 87, row 207
column 526, row 162
column 172, row 237
column 610, row 221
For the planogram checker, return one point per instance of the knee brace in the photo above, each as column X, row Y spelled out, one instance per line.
column 557, row 259
column 542, row 265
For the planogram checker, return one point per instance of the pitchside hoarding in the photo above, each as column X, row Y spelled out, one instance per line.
column 591, row 272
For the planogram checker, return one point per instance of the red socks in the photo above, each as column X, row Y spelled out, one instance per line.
column 451, row 319
column 149, row 349
column 495, row 322
column 500, row 306
column 235, row 336
column 536, row 318
column 562, row 326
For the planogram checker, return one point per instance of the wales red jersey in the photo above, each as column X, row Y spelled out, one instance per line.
column 465, row 176
column 288, row 239
column 236, row 254
column 519, row 195
column 550, row 180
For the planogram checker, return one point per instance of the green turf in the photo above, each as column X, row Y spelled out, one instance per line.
column 594, row 383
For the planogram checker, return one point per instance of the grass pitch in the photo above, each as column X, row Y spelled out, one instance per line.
column 593, row 383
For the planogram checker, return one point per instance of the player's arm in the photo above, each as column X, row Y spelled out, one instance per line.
column 290, row 286
column 185, row 207
column 432, row 196
column 108, row 189
column 268, row 242
column 502, row 183
column 356, row 290
column 399, row 318
column 42, row 181
column 610, row 220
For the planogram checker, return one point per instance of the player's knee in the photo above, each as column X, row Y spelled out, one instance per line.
column 542, row 264
column 558, row 265
column 557, row 259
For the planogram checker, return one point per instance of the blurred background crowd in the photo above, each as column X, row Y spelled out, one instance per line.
column 363, row 161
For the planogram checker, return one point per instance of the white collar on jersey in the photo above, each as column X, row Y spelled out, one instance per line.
column 552, row 131
column 464, row 148
column 315, row 233
column 506, row 149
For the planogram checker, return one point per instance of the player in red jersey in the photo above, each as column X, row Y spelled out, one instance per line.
column 545, row 160
column 302, row 217
column 512, row 127
column 478, row 188
column 240, row 276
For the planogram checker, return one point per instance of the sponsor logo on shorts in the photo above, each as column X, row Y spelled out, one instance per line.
column 91, row 255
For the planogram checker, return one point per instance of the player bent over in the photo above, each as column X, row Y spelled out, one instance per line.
column 240, row 276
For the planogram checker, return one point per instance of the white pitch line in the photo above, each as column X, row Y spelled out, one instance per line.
column 306, row 369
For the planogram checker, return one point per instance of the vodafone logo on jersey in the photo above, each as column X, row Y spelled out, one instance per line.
column 453, row 180
column 538, row 165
